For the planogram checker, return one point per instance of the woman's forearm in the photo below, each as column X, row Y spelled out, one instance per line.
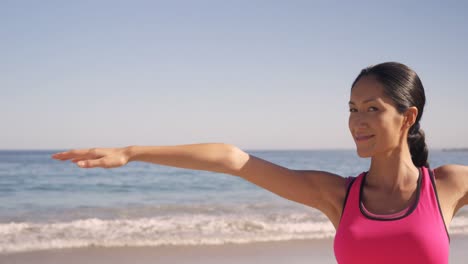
column 205, row 156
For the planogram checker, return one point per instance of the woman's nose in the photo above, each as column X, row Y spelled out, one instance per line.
column 359, row 121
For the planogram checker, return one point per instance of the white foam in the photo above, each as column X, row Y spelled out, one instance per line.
column 459, row 225
column 177, row 230
column 170, row 230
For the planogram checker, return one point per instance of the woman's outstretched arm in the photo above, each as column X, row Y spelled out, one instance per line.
column 208, row 156
column 322, row 190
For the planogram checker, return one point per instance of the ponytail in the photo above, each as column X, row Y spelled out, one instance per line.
column 418, row 147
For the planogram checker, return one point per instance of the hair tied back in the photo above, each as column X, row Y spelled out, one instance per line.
column 415, row 129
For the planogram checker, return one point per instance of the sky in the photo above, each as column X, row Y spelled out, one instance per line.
column 255, row 74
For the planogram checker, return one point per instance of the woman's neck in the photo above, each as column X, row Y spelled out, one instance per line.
column 393, row 172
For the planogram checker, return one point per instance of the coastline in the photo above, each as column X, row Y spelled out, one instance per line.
column 293, row 251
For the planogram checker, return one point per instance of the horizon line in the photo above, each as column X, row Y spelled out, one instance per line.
column 246, row 149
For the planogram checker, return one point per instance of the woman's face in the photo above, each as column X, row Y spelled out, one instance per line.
column 374, row 122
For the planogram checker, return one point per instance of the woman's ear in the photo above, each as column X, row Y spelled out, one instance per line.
column 410, row 116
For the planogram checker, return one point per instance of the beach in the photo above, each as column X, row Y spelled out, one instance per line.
column 291, row 252
column 51, row 213
column 297, row 251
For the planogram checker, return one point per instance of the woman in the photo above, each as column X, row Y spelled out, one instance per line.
column 398, row 211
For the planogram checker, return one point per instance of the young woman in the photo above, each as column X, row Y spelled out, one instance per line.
column 398, row 211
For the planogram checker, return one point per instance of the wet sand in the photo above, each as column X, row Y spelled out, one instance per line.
column 290, row 252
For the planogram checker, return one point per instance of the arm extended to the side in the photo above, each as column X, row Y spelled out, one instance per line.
column 322, row 190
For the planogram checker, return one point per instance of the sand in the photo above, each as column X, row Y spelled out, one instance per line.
column 290, row 252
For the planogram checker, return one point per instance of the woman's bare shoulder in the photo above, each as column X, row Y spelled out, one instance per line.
column 452, row 173
column 453, row 179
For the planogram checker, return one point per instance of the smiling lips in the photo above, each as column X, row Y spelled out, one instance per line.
column 363, row 138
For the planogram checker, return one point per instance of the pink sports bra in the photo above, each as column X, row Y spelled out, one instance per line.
column 416, row 234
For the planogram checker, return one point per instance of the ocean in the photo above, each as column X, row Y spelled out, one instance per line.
column 49, row 204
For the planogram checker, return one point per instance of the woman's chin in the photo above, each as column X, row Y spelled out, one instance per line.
column 364, row 154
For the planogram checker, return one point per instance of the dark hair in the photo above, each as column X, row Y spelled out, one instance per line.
column 404, row 87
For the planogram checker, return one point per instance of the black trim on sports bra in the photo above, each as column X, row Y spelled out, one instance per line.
column 346, row 197
column 413, row 206
column 438, row 203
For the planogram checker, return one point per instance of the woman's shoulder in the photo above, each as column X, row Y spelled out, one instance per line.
column 452, row 179
column 451, row 173
column 351, row 179
column 451, row 182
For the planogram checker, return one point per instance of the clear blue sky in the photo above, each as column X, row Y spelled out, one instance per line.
column 256, row 74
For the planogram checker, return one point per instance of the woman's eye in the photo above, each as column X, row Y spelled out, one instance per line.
column 372, row 109
column 352, row 110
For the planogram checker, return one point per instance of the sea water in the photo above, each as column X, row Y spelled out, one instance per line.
column 49, row 204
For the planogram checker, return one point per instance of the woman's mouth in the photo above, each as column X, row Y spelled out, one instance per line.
column 363, row 138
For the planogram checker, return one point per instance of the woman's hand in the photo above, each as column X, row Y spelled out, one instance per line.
column 95, row 157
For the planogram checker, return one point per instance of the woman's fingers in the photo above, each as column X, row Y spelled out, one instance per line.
column 94, row 157
column 101, row 163
column 78, row 159
column 91, row 153
column 91, row 163
column 86, row 164
column 69, row 154
column 59, row 156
